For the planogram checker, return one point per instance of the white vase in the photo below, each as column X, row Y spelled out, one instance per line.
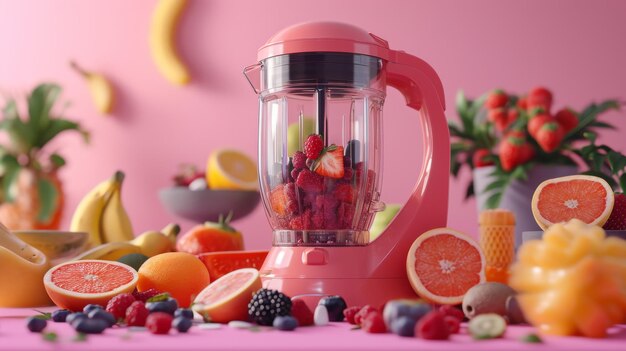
column 518, row 195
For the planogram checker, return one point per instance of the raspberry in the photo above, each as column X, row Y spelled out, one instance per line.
column 347, row 173
column 310, row 181
column 317, row 219
column 346, row 215
column 159, row 323
column 145, row 295
column 350, row 313
column 301, row 222
column 451, row 311
column 299, row 160
column 313, row 146
column 454, row 325
column 136, row 314
column 363, row 312
column 301, row 312
column 118, row 304
column 432, row 327
column 344, row 192
column 295, row 172
column 373, row 323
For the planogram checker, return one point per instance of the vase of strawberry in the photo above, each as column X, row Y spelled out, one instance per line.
column 511, row 143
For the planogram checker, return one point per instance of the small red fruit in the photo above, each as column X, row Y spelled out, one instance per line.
column 432, row 327
column 454, row 325
column 330, row 163
column 145, row 295
column 496, row 99
column 313, row 146
column 540, row 97
column 374, row 323
column 499, row 117
column 159, row 323
column 479, row 158
column 137, row 314
column 118, row 304
column 451, row 311
column 567, row 119
column 350, row 313
column 549, row 136
column 363, row 312
column 522, row 103
column 617, row 219
column 537, row 122
column 301, row 312
column 514, row 150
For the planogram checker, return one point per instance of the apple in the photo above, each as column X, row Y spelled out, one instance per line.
column 293, row 134
column 382, row 220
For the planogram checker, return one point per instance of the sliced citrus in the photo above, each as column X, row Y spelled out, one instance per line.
column 588, row 198
column 73, row 285
column 443, row 264
column 224, row 262
column 231, row 169
column 226, row 299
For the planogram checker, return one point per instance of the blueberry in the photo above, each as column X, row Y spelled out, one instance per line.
column 168, row 306
column 182, row 324
column 335, row 306
column 404, row 326
column 418, row 311
column 103, row 315
column 285, row 323
column 91, row 307
column 73, row 317
column 90, row 326
column 36, row 325
column 60, row 315
column 184, row 312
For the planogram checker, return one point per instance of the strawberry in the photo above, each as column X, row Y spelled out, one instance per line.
column 499, row 117
column 301, row 312
column 549, row 136
column 496, row 99
column 330, row 162
column 479, row 158
column 540, row 97
column 567, row 119
column 514, row 150
column 522, row 103
column 617, row 219
column 537, row 122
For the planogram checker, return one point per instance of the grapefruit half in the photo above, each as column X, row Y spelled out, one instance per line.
column 226, row 299
column 73, row 285
column 442, row 264
column 588, row 198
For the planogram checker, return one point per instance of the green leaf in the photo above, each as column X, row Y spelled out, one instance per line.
column 606, row 177
column 40, row 103
column 48, row 196
column 598, row 124
column 159, row 297
column 8, row 181
column 80, row 337
column 597, row 161
column 50, row 336
column 46, row 316
column 57, row 160
column 531, row 338
column 470, row 191
column 622, row 182
column 55, row 127
column 493, row 201
column 461, row 103
column 10, row 110
column 617, row 161
column 498, row 184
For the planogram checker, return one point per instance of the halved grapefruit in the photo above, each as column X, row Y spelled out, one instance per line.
column 226, row 299
column 588, row 198
column 73, row 285
column 442, row 264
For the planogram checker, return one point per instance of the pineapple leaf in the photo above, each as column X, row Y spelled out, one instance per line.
column 48, row 195
column 55, row 127
column 40, row 103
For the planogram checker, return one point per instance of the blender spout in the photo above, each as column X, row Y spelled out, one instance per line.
column 253, row 75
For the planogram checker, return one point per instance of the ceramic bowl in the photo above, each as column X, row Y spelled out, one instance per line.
column 56, row 245
column 208, row 204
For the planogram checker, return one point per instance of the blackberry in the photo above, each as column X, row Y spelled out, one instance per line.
column 267, row 304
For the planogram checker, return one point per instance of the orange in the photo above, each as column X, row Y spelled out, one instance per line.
column 211, row 237
column 587, row 198
column 73, row 285
column 226, row 299
column 224, row 262
column 180, row 274
column 442, row 264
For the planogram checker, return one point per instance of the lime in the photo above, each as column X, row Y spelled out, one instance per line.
column 134, row 260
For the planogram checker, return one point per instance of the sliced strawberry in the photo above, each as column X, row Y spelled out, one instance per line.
column 330, row 162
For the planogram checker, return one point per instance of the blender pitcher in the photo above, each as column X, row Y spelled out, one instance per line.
column 321, row 88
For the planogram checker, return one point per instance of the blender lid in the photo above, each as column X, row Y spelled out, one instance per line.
column 324, row 37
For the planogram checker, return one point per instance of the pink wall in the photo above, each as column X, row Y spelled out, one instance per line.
column 574, row 47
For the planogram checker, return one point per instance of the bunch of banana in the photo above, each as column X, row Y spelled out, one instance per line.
column 102, row 215
column 149, row 243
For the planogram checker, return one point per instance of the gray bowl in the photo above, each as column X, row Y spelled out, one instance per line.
column 537, row 235
column 208, row 204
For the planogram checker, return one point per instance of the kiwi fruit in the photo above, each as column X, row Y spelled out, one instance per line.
column 489, row 297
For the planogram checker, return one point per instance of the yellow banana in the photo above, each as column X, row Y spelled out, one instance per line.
column 101, row 90
column 153, row 243
column 88, row 213
column 162, row 37
column 109, row 251
column 115, row 224
column 171, row 231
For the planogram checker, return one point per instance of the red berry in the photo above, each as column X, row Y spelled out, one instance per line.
column 496, row 99
column 514, row 150
column 452, row 311
column 344, row 192
column 479, row 158
column 299, row 160
column 310, row 182
column 549, row 136
column 145, row 295
column 499, row 117
column 522, row 103
column 363, row 312
column 617, row 219
column 374, row 323
column 301, row 312
column 540, row 97
column 330, row 164
column 536, row 122
column 313, row 146
column 136, row 314
column 432, row 327
column 159, row 322
column 118, row 304
column 350, row 313
column 454, row 325
column 567, row 119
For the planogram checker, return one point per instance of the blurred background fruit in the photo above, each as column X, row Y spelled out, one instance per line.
column 296, row 134
column 382, row 219
column 231, row 169
column 101, row 90
column 211, row 237
column 162, row 41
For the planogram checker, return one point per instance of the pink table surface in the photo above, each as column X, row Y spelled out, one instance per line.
column 335, row 336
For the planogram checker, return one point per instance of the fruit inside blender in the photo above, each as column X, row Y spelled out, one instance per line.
column 320, row 164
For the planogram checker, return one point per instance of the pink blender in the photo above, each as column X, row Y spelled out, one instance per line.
column 327, row 81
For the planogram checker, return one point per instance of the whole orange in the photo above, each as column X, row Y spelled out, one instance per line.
column 180, row 274
column 211, row 237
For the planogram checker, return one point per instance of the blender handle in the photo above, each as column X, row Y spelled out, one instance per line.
column 423, row 91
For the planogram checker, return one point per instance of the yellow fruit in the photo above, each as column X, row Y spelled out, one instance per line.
column 231, row 169
column 181, row 274
column 162, row 41
column 102, row 92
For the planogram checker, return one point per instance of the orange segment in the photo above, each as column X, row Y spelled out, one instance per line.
column 587, row 198
column 443, row 264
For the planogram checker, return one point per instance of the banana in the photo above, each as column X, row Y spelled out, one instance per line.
column 162, row 37
column 115, row 224
column 102, row 92
column 88, row 213
column 109, row 251
column 171, row 231
column 153, row 243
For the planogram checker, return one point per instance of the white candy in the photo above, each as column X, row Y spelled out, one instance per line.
column 321, row 315
column 209, row 326
column 240, row 324
column 198, row 184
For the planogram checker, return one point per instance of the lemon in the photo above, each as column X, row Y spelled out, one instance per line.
column 231, row 169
